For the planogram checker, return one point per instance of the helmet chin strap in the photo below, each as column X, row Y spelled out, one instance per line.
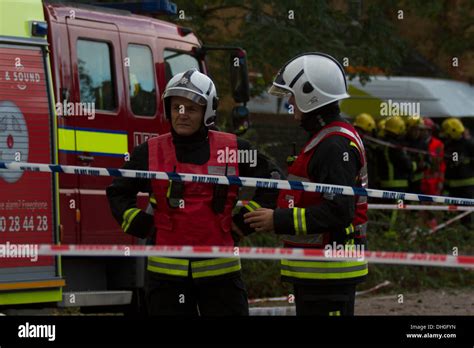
column 315, row 120
column 312, row 123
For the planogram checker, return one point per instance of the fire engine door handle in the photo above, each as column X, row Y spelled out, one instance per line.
column 87, row 159
column 65, row 94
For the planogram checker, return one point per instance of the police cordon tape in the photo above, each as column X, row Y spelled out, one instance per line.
column 449, row 222
column 398, row 146
column 260, row 253
column 234, row 180
column 419, row 207
column 375, row 206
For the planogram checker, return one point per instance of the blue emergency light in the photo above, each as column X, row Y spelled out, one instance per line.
column 39, row 28
column 144, row 6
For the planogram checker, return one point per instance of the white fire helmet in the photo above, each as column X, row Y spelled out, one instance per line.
column 195, row 86
column 315, row 79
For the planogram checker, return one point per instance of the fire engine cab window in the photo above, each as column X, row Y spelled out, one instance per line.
column 142, row 80
column 95, row 74
column 177, row 62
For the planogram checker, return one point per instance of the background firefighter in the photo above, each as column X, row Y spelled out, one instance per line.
column 459, row 150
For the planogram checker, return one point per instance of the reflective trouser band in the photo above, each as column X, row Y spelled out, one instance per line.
column 215, row 267
column 128, row 217
column 252, row 205
column 323, row 270
column 299, row 221
column 170, row 266
column 460, row 182
column 335, row 314
column 394, row 183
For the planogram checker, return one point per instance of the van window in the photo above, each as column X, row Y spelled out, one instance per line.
column 142, row 80
column 95, row 74
column 177, row 62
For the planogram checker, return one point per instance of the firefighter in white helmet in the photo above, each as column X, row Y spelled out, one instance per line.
column 185, row 213
column 315, row 82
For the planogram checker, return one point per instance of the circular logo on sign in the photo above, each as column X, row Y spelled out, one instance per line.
column 13, row 139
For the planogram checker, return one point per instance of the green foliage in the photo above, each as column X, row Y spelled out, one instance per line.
column 412, row 235
column 272, row 34
column 262, row 277
column 455, row 28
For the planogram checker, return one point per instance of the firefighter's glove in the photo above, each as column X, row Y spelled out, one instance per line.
column 137, row 223
column 238, row 219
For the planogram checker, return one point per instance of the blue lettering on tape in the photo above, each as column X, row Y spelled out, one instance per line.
column 145, row 175
column 234, row 180
column 175, row 176
column 360, row 191
column 92, row 172
column 56, row 168
column 393, row 195
column 266, row 185
column 423, row 198
column 114, row 172
column 296, row 185
column 30, row 169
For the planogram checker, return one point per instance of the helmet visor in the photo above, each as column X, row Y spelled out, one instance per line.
column 185, row 93
column 279, row 91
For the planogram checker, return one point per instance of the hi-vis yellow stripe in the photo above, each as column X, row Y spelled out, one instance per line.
column 90, row 141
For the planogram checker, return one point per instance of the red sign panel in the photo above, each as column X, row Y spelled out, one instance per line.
column 26, row 198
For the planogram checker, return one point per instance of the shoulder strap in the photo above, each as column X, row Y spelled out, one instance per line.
column 337, row 128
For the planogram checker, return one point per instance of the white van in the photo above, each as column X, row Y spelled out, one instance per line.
column 437, row 98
